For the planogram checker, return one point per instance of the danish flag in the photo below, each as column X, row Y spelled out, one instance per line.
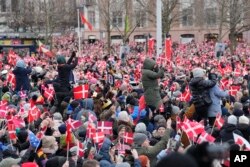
column 34, row 113
column 11, row 79
column 91, row 130
column 41, row 133
column 186, row 95
column 98, row 137
column 80, row 149
column 81, row 91
column 241, row 141
column 12, row 131
column 48, row 93
column 161, row 108
column 192, row 128
column 205, row 137
column 224, row 82
column 105, row 127
column 74, row 124
column 233, row 90
column 219, row 121
column 92, row 117
column 128, row 138
column 44, row 50
column 3, row 109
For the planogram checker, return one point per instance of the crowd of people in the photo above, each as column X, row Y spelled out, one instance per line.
column 97, row 109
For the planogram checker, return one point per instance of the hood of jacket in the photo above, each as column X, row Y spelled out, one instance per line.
column 230, row 128
column 149, row 64
column 195, row 81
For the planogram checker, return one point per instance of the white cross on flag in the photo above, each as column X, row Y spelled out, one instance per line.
column 105, row 127
column 205, row 137
column 233, row 90
column 91, row 130
column 44, row 50
column 74, row 124
column 34, row 114
column 48, row 93
column 241, row 141
column 80, row 149
column 81, row 91
column 92, row 117
column 128, row 138
column 192, row 128
column 219, row 121
column 98, row 137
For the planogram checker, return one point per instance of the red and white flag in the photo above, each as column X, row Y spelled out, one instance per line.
column 48, row 93
column 161, row 108
column 3, row 109
column 81, row 91
column 18, row 122
column 34, row 113
column 241, row 141
column 44, row 50
column 74, row 124
column 168, row 48
column 80, row 149
column 85, row 21
column 92, row 117
column 224, row 83
column 205, row 137
column 12, row 80
column 233, row 90
column 192, row 128
column 219, row 121
column 98, row 137
column 91, row 130
column 105, row 127
column 11, row 131
column 128, row 138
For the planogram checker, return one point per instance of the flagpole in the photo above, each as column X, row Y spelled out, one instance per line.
column 79, row 32
column 68, row 150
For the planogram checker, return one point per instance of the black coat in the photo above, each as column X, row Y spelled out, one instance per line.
column 64, row 72
column 200, row 86
column 22, row 78
column 245, row 130
column 226, row 134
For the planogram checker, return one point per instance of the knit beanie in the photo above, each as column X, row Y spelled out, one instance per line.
column 123, row 116
column 232, row 120
column 198, row 72
column 243, row 120
column 140, row 127
column 139, row 138
column 61, row 60
column 20, row 63
column 123, row 164
column 238, row 106
column 57, row 116
column 48, row 141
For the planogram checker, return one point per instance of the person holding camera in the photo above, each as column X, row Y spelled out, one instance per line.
column 150, row 75
column 216, row 94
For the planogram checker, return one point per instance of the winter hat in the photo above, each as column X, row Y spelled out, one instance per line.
column 232, row 120
column 20, row 63
column 74, row 104
column 62, row 128
column 123, row 116
column 177, row 93
column 73, row 151
column 29, row 164
column 48, row 141
column 61, row 60
column 22, row 135
column 238, row 113
column 243, row 120
column 144, row 160
column 123, row 164
column 157, row 118
column 198, row 72
column 57, row 116
column 238, row 106
column 8, row 162
column 139, row 138
column 140, row 127
column 175, row 110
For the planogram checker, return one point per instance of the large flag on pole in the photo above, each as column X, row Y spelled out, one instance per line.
column 44, row 50
column 168, row 48
column 85, row 21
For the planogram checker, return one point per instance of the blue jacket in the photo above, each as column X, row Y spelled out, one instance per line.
column 216, row 94
column 22, row 78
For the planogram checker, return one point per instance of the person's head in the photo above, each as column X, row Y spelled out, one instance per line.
column 140, row 139
column 161, row 130
column 91, row 163
column 144, row 161
column 198, row 72
column 61, row 60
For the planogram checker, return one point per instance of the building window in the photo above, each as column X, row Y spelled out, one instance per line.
column 91, row 17
column 140, row 18
column 3, row 5
column 210, row 16
column 117, row 19
column 187, row 17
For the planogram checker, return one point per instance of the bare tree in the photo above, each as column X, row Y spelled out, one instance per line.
column 43, row 16
column 234, row 18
